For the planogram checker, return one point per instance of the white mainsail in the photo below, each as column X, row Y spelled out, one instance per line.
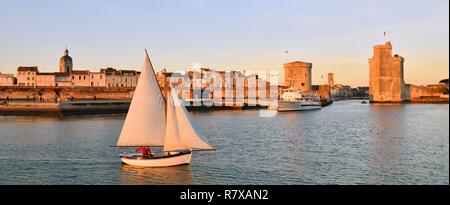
column 181, row 132
column 145, row 121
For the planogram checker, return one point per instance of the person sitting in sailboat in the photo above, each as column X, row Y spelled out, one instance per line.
column 146, row 152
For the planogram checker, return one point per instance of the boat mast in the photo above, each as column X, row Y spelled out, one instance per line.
column 165, row 92
column 165, row 88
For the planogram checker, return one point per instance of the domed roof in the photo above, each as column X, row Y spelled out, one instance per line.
column 66, row 57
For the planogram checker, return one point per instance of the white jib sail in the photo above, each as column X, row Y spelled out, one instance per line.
column 172, row 141
column 145, row 121
column 187, row 135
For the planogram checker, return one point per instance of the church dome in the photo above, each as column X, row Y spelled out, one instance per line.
column 65, row 59
column 65, row 63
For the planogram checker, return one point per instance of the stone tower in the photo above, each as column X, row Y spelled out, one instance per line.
column 386, row 83
column 65, row 63
column 331, row 80
column 299, row 74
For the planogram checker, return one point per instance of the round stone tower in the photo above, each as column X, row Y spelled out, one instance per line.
column 65, row 63
column 298, row 75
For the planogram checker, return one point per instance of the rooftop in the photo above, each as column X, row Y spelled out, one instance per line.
column 28, row 68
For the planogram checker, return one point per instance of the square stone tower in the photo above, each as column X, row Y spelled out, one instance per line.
column 386, row 83
column 331, row 80
column 299, row 74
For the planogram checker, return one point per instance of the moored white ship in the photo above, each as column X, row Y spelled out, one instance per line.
column 292, row 100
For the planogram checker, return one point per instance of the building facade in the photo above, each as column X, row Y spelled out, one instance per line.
column 26, row 76
column 80, row 78
column 98, row 79
column 45, row 80
column 298, row 75
column 7, row 79
column 386, row 83
column 120, row 78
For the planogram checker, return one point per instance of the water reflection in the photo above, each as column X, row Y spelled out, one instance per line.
column 385, row 142
column 144, row 175
column 28, row 119
column 345, row 143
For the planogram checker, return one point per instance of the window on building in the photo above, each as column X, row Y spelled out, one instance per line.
column 79, row 77
column 92, row 83
column 28, row 78
column 100, row 77
column 84, row 77
column 303, row 84
column 73, row 77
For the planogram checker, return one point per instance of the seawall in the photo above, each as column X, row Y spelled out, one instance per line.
column 59, row 94
column 64, row 108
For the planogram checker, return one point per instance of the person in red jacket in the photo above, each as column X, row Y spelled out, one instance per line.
column 146, row 152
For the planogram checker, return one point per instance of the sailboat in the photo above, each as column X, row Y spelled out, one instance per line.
column 155, row 120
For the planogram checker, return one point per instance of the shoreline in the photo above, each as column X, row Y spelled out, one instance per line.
column 94, row 107
column 91, row 107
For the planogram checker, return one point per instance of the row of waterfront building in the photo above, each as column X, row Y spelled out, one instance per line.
column 30, row 76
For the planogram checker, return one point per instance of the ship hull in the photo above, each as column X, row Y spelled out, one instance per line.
column 158, row 161
column 296, row 106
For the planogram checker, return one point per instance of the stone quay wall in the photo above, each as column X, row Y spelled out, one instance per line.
column 53, row 94
column 431, row 94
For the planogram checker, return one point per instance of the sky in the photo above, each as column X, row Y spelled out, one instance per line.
column 334, row 35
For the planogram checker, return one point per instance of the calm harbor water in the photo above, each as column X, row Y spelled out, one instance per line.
column 345, row 143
